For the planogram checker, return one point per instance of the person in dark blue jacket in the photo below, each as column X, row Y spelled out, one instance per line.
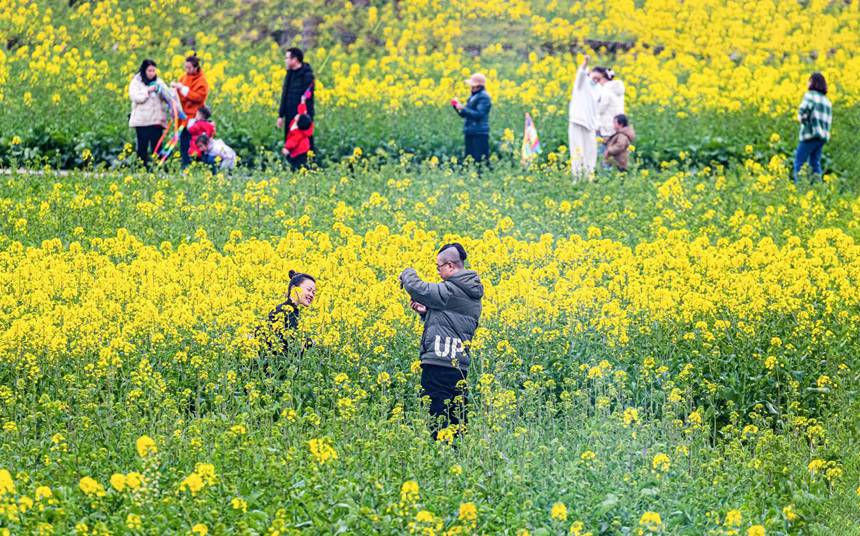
column 476, row 115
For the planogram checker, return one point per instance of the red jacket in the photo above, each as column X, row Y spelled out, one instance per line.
column 299, row 141
column 196, row 129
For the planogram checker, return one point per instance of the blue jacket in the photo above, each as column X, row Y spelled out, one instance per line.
column 477, row 113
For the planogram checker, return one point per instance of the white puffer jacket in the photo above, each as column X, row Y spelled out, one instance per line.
column 147, row 108
column 611, row 103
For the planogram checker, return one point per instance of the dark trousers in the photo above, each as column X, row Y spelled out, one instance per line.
column 441, row 385
column 478, row 146
column 808, row 151
column 147, row 139
column 298, row 162
column 184, row 146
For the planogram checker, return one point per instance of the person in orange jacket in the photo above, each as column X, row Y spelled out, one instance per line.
column 193, row 90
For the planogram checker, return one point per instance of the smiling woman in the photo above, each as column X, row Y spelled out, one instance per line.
column 284, row 319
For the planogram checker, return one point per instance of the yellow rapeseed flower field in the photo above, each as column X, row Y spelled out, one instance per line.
column 669, row 351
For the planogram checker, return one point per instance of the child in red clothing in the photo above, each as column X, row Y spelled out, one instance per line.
column 299, row 138
column 197, row 126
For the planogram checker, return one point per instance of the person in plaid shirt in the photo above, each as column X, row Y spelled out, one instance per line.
column 815, row 115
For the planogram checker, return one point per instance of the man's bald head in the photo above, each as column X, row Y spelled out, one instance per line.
column 450, row 255
column 450, row 259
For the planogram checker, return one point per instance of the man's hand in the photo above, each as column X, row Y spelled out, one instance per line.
column 280, row 122
column 417, row 307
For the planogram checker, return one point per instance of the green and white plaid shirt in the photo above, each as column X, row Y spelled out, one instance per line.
column 815, row 115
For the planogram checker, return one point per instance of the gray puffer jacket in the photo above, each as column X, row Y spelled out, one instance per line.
column 453, row 312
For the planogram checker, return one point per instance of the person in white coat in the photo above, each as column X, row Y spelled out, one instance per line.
column 148, row 115
column 216, row 153
column 610, row 105
column 584, row 122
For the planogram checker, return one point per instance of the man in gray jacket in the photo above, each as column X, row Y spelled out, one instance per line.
column 450, row 311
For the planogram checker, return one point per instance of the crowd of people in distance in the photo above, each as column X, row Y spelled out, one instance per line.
column 598, row 127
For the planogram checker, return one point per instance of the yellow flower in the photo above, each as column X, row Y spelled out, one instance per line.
column 756, row 530
column 733, row 518
column 43, row 492
column 816, row 466
column 558, row 511
column 145, row 446
column 409, row 492
column 789, row 513
column 91, row 487
column 133, row 522
column 631, row 416
column 322, row 450
column 660, row 463
column 117, row 481
column 7, row 485
column 193, row 483
column 239, row 504
column 651, row 521
column 134, row 480
column 468, row 513
column 199, row 530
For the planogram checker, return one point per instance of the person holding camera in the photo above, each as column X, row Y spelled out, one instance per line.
column 451, row 311
column 476, row 115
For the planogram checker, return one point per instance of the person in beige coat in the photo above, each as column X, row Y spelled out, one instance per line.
column 618, row 145
column 148, row 114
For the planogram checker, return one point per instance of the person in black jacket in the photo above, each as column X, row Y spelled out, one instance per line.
column 476, row 115
column 300, row 78
column 283, row 320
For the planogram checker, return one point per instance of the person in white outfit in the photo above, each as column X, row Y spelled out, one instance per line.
column 584, row 122
column 610, row 105
column 216, row 153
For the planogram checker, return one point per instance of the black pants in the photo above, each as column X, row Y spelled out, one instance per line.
column 441, row 385
column 478, row 146
column 298, row 162
column 147, row 139
column 184, row 146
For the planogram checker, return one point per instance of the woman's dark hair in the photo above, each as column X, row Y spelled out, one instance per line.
column 202, row 139
column 194, row 61
column 146, row 64
column 296, row 53
column 304, row 122
column 606, row 73
column 622, row 120
column 818, row 83
column 456, row 245
column 205, row 112
column 296, row 279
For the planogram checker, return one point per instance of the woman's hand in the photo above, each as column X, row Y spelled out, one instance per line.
column 151, row 89
column 417, row 307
